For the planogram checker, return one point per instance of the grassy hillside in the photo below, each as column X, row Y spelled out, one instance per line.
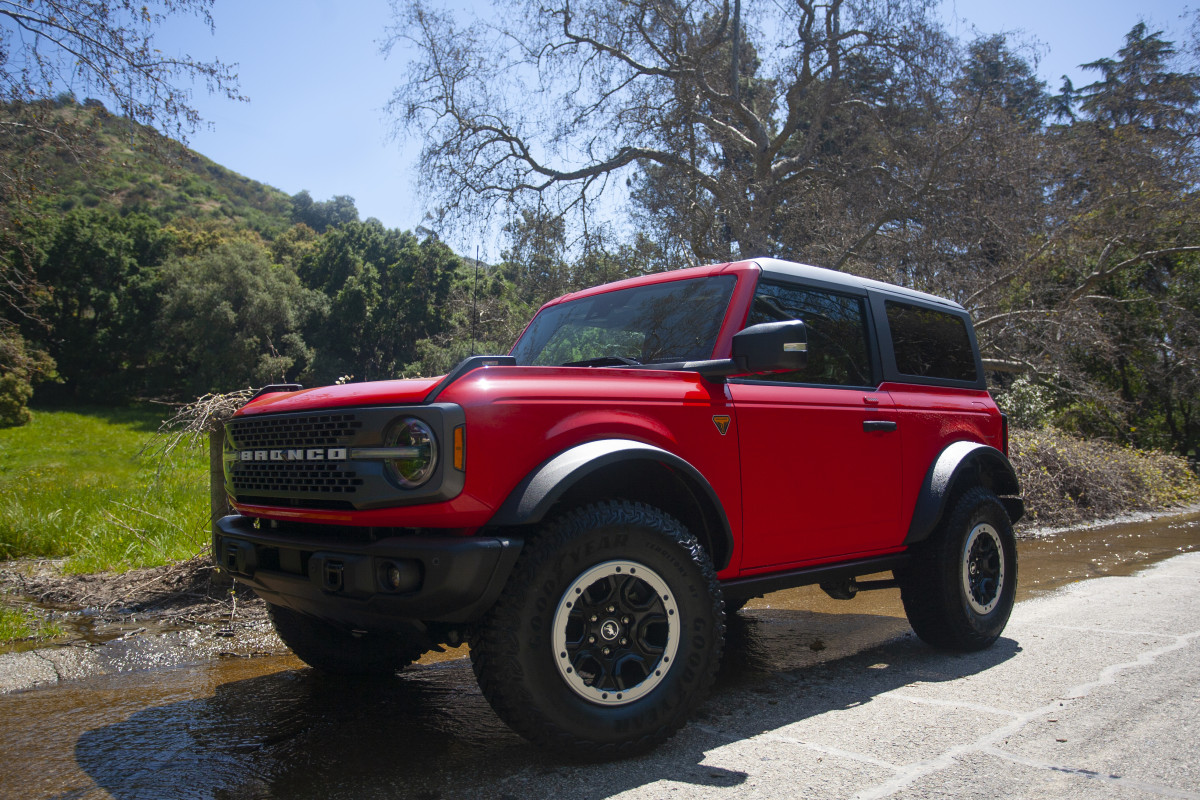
column 101, row 159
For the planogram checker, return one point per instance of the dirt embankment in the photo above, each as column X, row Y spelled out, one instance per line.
column 191, row 592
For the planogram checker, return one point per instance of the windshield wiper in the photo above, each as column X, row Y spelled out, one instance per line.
column 603, row 361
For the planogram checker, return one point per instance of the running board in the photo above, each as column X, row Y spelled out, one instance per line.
column 745, row 588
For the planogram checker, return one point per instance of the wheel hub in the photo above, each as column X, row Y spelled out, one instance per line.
column 983, row 568
column 615, row 632
column 610, row 630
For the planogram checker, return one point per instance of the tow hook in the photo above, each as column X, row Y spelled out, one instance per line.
column 333, row 576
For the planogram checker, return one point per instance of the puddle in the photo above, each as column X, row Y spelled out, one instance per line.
column 1045, row 563
column 266, row 727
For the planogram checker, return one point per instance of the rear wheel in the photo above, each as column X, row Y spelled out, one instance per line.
column 337, row 651
column 959, row 591
column 607, row 635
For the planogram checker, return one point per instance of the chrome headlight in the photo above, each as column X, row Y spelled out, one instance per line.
column 414, row 452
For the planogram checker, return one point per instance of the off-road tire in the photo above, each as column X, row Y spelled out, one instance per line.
column 336, row 651
column 631, row 577
column 959, row 590
column 734, row 606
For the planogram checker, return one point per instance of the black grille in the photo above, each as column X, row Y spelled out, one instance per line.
column 295, row 477
column 319, row 430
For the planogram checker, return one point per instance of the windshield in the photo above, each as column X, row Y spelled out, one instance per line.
column 656, row 323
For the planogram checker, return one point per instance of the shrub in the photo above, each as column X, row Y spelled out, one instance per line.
column 1068, row 480
column 15, row 393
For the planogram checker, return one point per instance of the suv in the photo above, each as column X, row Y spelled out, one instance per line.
column 652, row 453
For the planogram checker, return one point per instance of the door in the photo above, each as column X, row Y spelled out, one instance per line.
column 820, row 447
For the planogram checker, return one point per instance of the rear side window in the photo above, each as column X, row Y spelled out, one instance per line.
column 930, row 344
column 837, row 333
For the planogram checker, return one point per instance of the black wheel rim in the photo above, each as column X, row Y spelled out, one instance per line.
column 983, row 568
column 616, row 632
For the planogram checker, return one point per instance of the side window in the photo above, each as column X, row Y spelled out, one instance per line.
column 930, row 343
column 837, row 333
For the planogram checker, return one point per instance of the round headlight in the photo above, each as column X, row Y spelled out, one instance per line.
column 420, row 459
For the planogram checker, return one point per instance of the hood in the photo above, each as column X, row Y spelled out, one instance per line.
column 373, row 393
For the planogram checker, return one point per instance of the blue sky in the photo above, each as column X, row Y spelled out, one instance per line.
column 318, row 85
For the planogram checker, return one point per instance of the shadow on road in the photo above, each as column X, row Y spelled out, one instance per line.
column 429, row 733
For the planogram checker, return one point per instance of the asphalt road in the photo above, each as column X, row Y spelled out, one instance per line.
column 1093, row 692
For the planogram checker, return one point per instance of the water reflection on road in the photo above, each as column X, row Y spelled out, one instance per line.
column 269, row 728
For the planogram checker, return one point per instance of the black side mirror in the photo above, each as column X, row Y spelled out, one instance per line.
column 768, row 347
column 772, row 347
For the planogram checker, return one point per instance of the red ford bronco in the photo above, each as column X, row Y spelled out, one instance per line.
column 652, row 453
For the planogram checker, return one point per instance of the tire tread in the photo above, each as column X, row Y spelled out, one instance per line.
column 496, row 639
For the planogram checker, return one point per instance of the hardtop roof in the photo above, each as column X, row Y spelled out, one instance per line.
column 769, row 267
column 777, row 268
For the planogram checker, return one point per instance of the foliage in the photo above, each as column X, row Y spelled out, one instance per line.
column 137, row 171
column 20, row 368
column 230, row 318
column 75, row 484
column 1066, row 480
column 387, row 290
column 98, row 46
column 107, row 47
column 98, row 270
column 1028, row 404
column 321, row 216
column 732, row 130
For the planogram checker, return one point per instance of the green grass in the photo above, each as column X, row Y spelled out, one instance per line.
column 75, row 485
column 17, row 624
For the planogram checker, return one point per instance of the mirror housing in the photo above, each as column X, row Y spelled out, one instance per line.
column 766, row 347
column 772, row 347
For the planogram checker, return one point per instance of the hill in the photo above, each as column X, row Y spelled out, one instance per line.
column 96, row 159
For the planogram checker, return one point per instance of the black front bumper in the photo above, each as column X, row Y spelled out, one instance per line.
column 380, row 585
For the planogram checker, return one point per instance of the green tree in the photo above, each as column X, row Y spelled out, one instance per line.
column 387, row 290
column 99, row 271
column 1098, row 304
column 20, row 368
column 323, row 215
column 231, row 319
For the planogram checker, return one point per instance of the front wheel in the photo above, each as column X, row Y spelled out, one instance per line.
column 959, row 591
column 607, row 635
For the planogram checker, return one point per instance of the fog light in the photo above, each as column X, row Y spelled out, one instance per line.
column 401, row 576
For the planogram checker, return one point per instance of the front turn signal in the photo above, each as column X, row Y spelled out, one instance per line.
column 460, row 448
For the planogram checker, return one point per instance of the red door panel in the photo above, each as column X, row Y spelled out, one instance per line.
column 820, row 472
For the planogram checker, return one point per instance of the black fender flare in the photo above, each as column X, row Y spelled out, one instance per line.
column 987, row 465
column 536, row 494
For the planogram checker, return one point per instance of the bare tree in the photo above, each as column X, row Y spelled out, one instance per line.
column 107, row 47
column 731, row 122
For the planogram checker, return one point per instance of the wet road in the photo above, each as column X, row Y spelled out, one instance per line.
column 817, row 698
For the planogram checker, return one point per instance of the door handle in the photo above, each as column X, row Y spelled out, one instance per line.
column 872, row 425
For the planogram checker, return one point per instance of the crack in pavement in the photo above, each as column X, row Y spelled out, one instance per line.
column 907, row 774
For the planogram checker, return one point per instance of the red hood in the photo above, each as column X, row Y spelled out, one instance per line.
column 351, row 394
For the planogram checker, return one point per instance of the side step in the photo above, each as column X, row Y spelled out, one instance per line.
column 839, row 578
